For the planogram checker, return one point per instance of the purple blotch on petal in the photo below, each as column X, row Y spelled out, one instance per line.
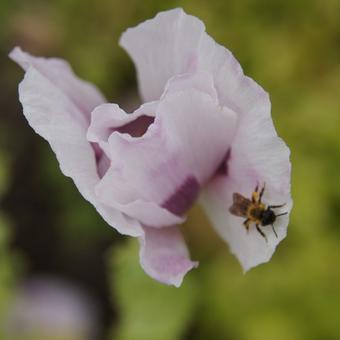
column 184, row 197
column 222, row 169
column 138, row 127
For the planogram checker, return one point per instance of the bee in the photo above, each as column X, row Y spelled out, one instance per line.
column 255, row 211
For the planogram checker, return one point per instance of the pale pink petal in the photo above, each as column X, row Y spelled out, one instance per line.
column 83, row 95
column 175, row 43
column 179, row 152
column 164, row 255
column 114, row 191
column 161, row 48
column 200, row 81
column 108, row 118
column 257, row 156
column 51, row 115
column 125, row 225
column 54, row 116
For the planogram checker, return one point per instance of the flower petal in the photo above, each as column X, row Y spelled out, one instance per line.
column 164, row 255
column 147, row 212
column 51, row 115
column 83, row 95
column 174, row 43
column 55, row 117
column 258, row 156
column 200, row 81
column 179, row 152
column 108, row 118
column 161, row 48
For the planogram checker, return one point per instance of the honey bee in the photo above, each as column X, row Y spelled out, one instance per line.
column 255, row 211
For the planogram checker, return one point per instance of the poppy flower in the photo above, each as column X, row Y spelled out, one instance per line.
column 203, row 133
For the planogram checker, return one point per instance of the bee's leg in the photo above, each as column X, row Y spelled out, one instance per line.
column 285, row 213
column 246, row 223
column 255, row 194
column 261, row 192
column 274, row 230
column 261, row 232
column 276, row 206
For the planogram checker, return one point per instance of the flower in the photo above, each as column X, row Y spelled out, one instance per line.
column 49, row 308
column 204, row 132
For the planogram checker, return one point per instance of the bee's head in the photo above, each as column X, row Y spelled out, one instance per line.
column 268, row 217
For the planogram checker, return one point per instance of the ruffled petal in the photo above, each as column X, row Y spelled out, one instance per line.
column 51, row 115
column 108, row 118
column 55, row 117
column 167, row 165
column 175, row 43
column 257, row 157
column 82, row 94
column 161, row 48
column 200, row 81
column 164, row 255
column 111, row 192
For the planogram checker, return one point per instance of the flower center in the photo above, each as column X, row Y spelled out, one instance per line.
column 137, row 127
column 222, row 169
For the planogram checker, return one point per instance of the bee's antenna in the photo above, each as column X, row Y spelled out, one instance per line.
column 274, row 230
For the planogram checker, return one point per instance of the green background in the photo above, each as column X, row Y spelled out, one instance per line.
column 291, row 48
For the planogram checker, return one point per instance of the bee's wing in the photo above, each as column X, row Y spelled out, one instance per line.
column 240, row 205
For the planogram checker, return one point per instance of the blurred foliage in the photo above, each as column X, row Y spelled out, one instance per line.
column 9, row 262
column 292, row 48
column 286, row 301
column 148, row 310
column 6, row 274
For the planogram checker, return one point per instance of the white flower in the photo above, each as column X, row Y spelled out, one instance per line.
column 205, row 128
